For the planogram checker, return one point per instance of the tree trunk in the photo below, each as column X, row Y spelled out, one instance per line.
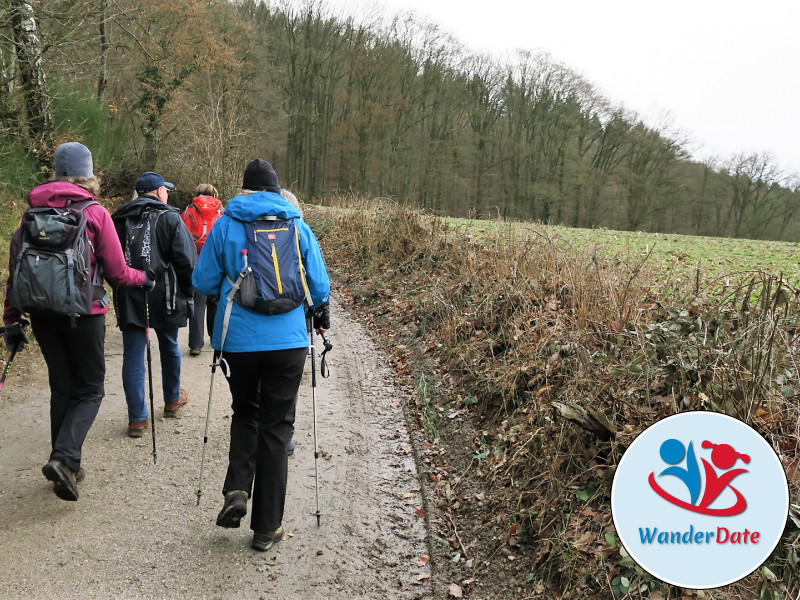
column 32, row 80
column 105, row 47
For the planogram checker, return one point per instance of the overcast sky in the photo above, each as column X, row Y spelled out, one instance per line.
column 725, row 72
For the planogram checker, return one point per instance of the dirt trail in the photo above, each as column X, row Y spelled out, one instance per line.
column 136, row 531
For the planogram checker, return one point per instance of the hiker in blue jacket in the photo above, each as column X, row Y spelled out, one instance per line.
column 265, row 355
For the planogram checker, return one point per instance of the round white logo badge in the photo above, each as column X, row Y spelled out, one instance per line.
column 699, row 500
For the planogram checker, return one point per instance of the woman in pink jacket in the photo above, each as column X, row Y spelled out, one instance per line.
column 75, row 356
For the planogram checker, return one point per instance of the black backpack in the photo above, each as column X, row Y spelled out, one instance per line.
column 51, row 272
column 140, row 251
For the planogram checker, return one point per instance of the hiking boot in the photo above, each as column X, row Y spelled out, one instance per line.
column 138, row 428
column 171, row 409
column 80, row 475
column 194, row 351
column 264, row 541
column 64, row 484
column 233, row 510
column 290, row 448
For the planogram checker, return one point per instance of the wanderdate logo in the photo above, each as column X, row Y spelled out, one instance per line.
column 699, row 500
column 723, row 457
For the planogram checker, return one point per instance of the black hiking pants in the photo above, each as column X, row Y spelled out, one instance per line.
column 202, row 320
column 264, row 388
column 76, row 369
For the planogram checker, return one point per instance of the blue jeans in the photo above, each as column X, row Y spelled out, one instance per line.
column 134, row 344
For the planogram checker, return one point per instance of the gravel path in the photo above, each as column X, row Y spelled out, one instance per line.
column 137, row 531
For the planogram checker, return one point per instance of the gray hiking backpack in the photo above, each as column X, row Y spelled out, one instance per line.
column 51, row 272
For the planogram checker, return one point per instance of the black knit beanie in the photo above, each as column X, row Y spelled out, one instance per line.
column 260, row 176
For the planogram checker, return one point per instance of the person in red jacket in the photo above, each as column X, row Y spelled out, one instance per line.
column 75, row 356
column 199, row 217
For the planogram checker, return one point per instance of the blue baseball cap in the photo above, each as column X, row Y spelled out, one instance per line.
column 150, row 181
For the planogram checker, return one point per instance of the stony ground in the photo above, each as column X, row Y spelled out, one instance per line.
column 137, row 531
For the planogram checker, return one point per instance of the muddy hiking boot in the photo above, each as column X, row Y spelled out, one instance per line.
column 264, row 541
column 233, row 510
column 138, row 428
column 171, row 409
column 64, row 483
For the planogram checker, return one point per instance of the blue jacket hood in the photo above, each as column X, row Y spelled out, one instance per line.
column 250, row 207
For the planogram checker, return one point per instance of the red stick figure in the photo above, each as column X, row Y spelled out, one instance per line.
column 724, row 457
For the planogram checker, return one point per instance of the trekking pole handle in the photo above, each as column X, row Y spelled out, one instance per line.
column 327, row 343
column 323, row 365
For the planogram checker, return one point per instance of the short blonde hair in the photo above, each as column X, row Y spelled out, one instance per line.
column 292, row 198
column 90, row 184
column 206, row 189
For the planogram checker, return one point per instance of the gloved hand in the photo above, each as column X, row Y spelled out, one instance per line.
column 321, row 317
column 14, row 336
column 149, row 283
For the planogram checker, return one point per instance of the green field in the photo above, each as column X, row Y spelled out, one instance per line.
column 715, row 257
column 667, row 256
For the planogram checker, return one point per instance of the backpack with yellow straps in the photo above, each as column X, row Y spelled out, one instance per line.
column 272, row 280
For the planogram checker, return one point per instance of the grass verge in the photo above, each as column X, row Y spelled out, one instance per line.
column 542, row 360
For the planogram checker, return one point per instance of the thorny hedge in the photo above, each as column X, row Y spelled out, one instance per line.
column 559, row 357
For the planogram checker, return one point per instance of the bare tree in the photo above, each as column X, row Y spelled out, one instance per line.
column 754, row 179
column 105, row 48
column 646, row 178
column 38, row 115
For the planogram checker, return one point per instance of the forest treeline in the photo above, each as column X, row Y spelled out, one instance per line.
column 391, row 107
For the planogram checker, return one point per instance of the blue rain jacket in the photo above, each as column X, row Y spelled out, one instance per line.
column 219, row 265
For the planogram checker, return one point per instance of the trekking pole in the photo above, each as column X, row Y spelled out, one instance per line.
column 7, row 368
column 217, row 362
column 205, row 435
column 10, row 360
column 318, row 514
column 150, row 372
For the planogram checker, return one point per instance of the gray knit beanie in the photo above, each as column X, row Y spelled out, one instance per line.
column 73, row 160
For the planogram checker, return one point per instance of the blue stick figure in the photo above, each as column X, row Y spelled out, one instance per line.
column 672, row 452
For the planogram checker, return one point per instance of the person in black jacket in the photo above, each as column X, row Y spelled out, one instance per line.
column 153, row 236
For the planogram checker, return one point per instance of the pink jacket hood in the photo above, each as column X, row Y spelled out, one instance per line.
column 57, row 194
